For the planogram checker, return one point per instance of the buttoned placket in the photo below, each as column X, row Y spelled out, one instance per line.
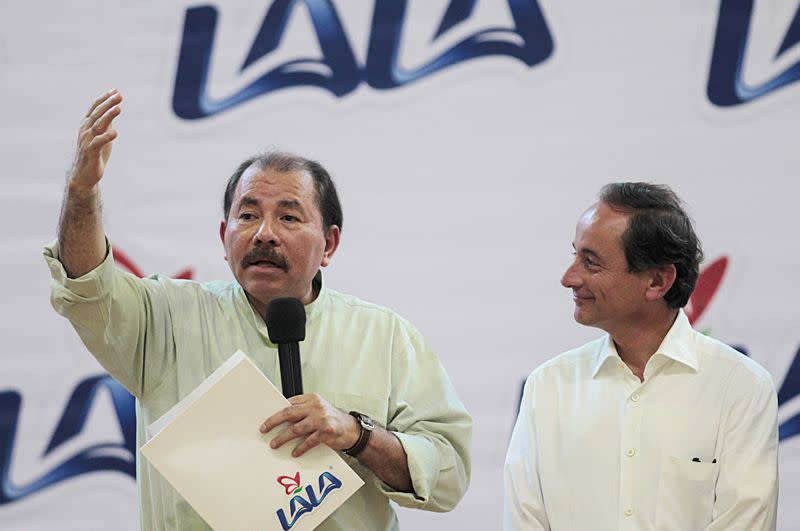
column 630, row 439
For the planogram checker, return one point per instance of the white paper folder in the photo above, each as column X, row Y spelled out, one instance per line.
column 208, row 446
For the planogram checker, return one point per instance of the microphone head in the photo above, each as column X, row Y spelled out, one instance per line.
column 286, row 320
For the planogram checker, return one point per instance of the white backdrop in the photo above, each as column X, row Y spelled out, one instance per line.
column 461, row 190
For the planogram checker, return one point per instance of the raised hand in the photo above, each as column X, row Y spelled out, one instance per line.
column 95, row 140
column 81, row 240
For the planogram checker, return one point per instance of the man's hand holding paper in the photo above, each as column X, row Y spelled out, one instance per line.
column 312, row 417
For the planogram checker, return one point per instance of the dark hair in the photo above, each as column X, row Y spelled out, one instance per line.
column 659, row 233
column 327, row 198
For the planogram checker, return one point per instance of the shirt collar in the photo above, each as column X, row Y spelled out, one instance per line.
column 678, row 342
column 676, row 345
column 607, row 352
column 313, row 309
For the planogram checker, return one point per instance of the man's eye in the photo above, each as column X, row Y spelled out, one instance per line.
column 288, row 217
column 246, row 216
column 588, row 262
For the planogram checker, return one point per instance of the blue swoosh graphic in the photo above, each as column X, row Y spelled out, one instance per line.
column 97, row 457
column 383, row 71
column 726, row 87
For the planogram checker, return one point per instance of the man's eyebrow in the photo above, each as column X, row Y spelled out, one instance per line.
column 590, row 252
column 290, row 203
column 247, row 201
column 586, row 250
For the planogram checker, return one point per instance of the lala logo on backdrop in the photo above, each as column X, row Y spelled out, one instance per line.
column 726, row 83
column 303, row 502
column 100, row 456
column 526, row 38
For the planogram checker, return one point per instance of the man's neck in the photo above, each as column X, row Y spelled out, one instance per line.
column 637, row 341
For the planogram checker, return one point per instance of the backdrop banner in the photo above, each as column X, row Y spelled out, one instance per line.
column 466, row 138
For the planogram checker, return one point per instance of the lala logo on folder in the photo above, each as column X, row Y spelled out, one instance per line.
column 209, row 447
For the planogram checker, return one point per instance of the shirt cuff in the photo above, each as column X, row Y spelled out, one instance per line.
column 90, row 286
column 423, row 467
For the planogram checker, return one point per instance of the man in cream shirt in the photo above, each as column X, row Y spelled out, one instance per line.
column 654, row 425
column 375, row 391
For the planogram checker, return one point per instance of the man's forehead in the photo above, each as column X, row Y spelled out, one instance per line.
column 588, row 215
column 600, row 226
column 254, row 178
column 603, row 217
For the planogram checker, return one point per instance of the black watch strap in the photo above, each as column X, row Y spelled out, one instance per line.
column 366, row 425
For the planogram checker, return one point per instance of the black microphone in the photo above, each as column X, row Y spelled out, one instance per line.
column 286, row 325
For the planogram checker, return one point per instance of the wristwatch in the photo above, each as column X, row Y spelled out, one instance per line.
column 366, row 430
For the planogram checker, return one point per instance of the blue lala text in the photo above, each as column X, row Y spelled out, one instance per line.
column 528, row 40
column 300, row 505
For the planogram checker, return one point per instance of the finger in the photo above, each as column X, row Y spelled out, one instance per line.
column 300, row 429
column 99, row 141
column 104, row 121
column 296, row 400
column 100, row 100
column 306, row 398
column 98, row 111
column 311, row 441
column 101, row 109
column 287, row 414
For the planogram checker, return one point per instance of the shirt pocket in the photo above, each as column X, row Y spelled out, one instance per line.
column 685, row 494
column 371, row 406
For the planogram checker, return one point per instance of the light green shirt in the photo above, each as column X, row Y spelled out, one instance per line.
column 161, row 337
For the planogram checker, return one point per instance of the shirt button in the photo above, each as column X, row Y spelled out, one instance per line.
column 631, row 452
column 635, row 397
column 628, row 512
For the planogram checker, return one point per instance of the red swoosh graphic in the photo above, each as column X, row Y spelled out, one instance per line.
column 125, row 261
column 707, row 285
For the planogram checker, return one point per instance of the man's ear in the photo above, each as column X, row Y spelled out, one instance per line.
column 661, row 281
column 222, row 227
column 332, row 236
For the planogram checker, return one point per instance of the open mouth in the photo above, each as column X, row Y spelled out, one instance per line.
column 267, row 264
column 264, row 263
column 265, row 260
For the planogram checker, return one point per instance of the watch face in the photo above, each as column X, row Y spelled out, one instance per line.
column 366, row 422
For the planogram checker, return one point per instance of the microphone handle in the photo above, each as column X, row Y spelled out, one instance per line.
column 291, row 377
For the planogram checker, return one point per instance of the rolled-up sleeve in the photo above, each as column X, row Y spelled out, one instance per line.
column 121, row 319
column 431, row 423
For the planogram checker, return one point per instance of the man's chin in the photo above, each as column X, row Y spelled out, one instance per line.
column 260, row 295
column 583, row 317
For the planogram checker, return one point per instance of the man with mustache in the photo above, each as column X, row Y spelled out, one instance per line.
column 654, row 425
column 375, row 390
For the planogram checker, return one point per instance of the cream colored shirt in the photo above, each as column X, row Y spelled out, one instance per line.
column 595, row 448
column 161, row 337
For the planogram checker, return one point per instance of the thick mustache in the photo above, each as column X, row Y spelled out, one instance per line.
column 264, row 254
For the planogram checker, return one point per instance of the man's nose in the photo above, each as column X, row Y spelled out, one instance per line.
column 570, row 279
column 266, row 233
